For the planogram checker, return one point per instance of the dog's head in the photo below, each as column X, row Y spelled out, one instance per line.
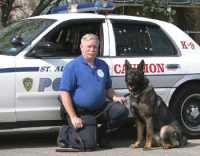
column 135, row 78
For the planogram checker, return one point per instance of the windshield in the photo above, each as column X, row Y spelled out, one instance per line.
column 27, row 30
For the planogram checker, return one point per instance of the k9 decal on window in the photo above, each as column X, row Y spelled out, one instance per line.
column 187, row 45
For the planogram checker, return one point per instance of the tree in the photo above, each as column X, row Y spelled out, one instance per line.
column 9, row 6
column 6, row 7
column 43, row 4
column 158, row 9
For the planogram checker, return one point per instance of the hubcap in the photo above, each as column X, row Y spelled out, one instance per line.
column 190, row 112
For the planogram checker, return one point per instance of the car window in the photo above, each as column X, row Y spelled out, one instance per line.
column 66, row 38
column 27, row 30
column 140, row 39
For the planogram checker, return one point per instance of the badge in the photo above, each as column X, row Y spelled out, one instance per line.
column 28, row 83
column 100, row 73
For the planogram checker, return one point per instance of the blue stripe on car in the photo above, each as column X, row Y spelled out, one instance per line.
column 19, row 69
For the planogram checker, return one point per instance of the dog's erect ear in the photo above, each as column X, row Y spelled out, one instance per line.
column 127, row 66
column 141, row 66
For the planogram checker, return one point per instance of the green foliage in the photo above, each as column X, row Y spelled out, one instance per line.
column 158, row 9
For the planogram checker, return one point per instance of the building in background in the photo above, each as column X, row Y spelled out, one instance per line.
column 186, row 17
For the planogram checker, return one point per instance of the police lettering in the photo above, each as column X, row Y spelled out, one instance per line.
column 59, row 69
column 184, row 46
column 149, row 68
column 45, row 69
column 187, row 45
column 45, row 83
column 51, row 69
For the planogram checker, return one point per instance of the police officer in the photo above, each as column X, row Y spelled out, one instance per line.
column 86, row 84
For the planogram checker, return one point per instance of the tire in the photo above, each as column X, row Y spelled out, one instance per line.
column 187, row 109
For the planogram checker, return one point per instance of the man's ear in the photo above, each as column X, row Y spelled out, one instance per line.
column 141, row 66
column 81, row 46
column 127, row 66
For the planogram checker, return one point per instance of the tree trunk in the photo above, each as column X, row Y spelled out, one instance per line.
column 5, row 11
column 41, row 6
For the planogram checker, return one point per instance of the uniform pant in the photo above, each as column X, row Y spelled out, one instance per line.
column 113, row 115
column 111, row 118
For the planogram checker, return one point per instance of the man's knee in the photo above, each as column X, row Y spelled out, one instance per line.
column 118, row 111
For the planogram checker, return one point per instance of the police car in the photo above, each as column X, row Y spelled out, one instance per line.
column 33, row 53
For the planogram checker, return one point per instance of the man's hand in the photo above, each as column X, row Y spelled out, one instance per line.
column 120, row 99
column 116, row 98
column 77, row 122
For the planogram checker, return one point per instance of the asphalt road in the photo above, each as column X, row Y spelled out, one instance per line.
column 42, row 142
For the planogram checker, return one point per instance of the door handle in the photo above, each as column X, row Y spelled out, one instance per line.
column 172, row 66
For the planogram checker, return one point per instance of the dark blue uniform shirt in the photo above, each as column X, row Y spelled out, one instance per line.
column 86, row 85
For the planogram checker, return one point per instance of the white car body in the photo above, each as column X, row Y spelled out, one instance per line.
column 29, row 85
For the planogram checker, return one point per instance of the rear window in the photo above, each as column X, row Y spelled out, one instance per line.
column 141, row 39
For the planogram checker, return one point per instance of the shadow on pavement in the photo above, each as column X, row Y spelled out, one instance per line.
column 21, row 138
column 31, row 138
column 123, row 137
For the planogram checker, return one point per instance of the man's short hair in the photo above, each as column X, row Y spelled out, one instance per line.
column 88, row 37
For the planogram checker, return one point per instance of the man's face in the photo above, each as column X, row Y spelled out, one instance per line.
column 89, row 49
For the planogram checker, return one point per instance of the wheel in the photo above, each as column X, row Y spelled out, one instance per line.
column 187, row 109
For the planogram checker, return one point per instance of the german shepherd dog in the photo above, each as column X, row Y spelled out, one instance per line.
column 151, row 112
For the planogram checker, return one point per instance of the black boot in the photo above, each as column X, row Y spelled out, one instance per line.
column 104, row 138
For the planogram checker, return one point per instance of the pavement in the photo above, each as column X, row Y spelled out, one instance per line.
column 42, row 142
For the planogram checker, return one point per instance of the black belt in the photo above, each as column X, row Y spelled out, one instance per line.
column 84, row 111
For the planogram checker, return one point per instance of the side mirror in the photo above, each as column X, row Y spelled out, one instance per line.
column 44, row 49
column 18, row 41
column 46, row 46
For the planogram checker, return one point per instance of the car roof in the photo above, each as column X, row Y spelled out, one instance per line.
column 66, row 16
column 137, row 18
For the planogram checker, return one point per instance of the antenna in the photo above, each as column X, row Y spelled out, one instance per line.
column 123, row 7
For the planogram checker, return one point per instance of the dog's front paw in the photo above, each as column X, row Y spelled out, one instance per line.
column 167, row 146
column 135, row 145
column 147, row 147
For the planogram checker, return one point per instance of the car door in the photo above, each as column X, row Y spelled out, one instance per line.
column 8, row 70
column 7, row 83
column 37, row 90
column 137, row 40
